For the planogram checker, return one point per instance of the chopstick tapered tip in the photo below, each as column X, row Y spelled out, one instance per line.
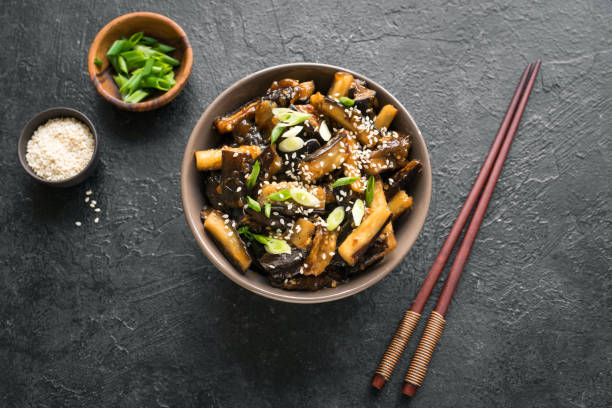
column 409, row 389
column 378, row 381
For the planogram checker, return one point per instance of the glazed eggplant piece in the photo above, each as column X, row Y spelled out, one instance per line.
column 271, row 163
column 288, row 91
column 271, row 188
column 364, row 97
column 282, row 266
column 402, row 178
column 226, row 124
column 212, row 159
column 264, row 118
column 258, row 220
column 213, row 189
column 360, row 239
column 385, row 117
column 302, row 234
column 322, row 251
column 227, row 239
column 326, row 159
column 390, row 154
column 399, row 204
column 351, row 167
column 341, row 85
column 349, row 118
column 236, row 168
column 247, row 133
column 385, row 242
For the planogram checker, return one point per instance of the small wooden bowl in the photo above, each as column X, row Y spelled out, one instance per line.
column 153, row 25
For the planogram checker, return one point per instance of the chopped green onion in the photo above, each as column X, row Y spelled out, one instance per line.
column 271, row 245
column 276, row 132
column 148, row 67
column 268, row 209
column 253, row 176
column 164, row 48
column 290, row 117
column 98, row 62
column 136, row 96
column 135, row 38
column 358, row 212
column 277, row 246
column 116, row 48
column 303, row 197
column 168, row 60
column 150, row 41
column 254, row 205
column 369, row 193
column 335, row 218
column 122, row 64
column 147, row 51
column 291, row 144
column 294, row 131
column 120, row 80
column 280, row 195
column 343, row 181
column 134, row 58
column 324, row 131
column 346, row 101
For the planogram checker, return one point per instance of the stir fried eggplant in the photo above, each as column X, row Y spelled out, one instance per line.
column 228, row 239
column 226, row 124
column 306, row 186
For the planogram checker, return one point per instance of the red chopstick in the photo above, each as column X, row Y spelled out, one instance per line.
column 435, row 324
column 411, row 317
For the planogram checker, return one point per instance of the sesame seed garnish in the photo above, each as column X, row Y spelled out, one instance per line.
column 78, row 223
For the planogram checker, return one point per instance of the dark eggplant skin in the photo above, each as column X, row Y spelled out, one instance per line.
column 236, row 168
column 247, row 133
column 212, row 189
column 365, row 100
column 402, row 178
column 326, row 148
column 283, row 266
column 269, row 223
column 282, row 92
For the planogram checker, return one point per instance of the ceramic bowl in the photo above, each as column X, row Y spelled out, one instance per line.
column 203, row 136
column 41, row 119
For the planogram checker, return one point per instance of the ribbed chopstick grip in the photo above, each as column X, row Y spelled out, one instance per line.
column 427, row 345
column 398, row 344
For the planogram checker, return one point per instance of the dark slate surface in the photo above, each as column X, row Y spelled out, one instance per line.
column 130, row 313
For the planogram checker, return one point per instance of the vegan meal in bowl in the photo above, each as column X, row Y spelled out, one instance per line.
column 306, row 187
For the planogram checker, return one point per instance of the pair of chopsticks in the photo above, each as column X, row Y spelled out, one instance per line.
column 487, row 178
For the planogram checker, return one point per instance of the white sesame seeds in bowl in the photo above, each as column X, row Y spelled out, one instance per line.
column 59, row 147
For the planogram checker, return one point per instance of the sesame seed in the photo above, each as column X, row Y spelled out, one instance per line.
column 78, row 223
column 97, row 210
column 96, row 220
column 88, row 192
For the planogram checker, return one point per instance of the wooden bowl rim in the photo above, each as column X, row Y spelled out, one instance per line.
column 161, row 100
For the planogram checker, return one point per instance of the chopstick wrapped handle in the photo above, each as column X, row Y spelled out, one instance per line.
column 396, row 348
column 422, row 357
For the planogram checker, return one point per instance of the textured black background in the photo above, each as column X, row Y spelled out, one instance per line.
column 130, row 313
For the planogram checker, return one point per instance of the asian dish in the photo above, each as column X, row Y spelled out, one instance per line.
column 306, row 187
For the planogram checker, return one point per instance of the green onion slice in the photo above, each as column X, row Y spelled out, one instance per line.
column 343, row 181
column 280, row 195
column 253, row 205
column 136, row 96
column 358, row 212
column 369, row 193
column 271, row 245
column 253, row 176
column 290, row 117
column 335, row 218
column 324, row 131
column 268, row 209
column 303, row 197
column 346, row 101
column 122, row 64
column 276, row 132
column 116, row 48
column 291, row 144
column 98, row 62
column 294, row 131
column 277, row 246
column 135, row 38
